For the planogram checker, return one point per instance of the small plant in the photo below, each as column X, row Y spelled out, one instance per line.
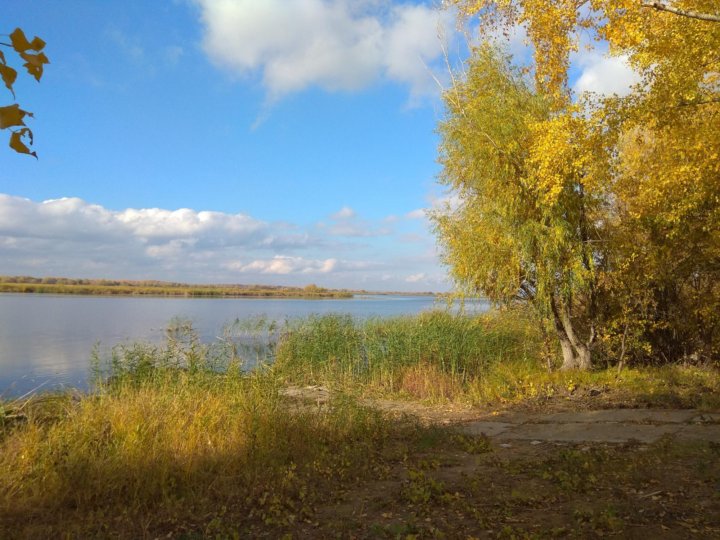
column 574, row 470
column 421, row 489
column 472, row 444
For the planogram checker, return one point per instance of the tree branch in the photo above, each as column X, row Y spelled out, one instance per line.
column 682, row 12
column 700, row 102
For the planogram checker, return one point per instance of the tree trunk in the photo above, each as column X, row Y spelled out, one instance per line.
column 570, row 359
column 576, row 353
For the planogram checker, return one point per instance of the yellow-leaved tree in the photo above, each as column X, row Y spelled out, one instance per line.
column 12, row 117
column 610, row 204
column 530, row 199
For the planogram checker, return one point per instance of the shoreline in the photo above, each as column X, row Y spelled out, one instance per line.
column 109, row 287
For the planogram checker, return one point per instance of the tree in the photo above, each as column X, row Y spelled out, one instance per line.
column 526, row 223
column 12, row 117
column 602, row 212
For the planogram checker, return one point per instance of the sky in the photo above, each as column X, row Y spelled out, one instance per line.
column 282, row 142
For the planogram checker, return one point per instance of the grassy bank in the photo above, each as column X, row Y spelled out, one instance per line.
column 24, row 284
column 168, row 444
column 178, row 441
column 497, row 359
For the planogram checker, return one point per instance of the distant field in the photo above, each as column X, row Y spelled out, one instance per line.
column 24, row 284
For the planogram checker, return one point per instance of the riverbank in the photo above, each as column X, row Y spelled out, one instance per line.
column 498, row 359
column 177, row 441
column 24, row 284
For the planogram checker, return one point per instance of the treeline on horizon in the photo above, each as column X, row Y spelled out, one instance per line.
column 61, row 285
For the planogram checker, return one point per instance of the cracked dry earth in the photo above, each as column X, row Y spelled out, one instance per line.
column 623, row 473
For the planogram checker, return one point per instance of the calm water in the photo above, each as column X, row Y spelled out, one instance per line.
column 46, row 340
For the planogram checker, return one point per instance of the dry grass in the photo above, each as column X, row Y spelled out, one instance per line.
column 187, row 451
column 179, row 440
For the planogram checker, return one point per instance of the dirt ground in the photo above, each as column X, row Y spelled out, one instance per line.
column 562, row 480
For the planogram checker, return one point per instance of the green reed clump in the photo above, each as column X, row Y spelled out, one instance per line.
column 404, row 353
column 320, row 344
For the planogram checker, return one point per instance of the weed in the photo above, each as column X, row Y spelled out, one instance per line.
column 421, row 489
column 168, row 439
column 472, row 444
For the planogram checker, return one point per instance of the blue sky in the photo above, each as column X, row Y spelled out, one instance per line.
column 235, row 141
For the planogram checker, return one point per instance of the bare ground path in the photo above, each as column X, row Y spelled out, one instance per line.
column 562, row 470
column 573, row 426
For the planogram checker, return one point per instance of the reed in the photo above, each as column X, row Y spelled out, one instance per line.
column 167, row 442
column 496, row 359
column 431, row 355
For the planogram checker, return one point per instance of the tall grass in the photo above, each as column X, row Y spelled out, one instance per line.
column 489, row 360
column 167, row 442
column 179, row 439
column 428, row 355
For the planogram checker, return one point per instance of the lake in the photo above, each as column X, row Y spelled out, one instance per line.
column 46, row 340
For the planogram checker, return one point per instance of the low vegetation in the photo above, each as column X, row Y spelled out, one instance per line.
column 180, row 441
column 167, row 443
column 497, row 359
column 26, row 284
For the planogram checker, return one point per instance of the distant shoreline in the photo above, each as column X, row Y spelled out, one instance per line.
column 105, row 287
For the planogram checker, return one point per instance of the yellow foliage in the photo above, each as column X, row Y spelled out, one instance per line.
column 614, row 199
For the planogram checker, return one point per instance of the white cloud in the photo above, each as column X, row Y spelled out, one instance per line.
column 73, row 238
column 449, row 200
column 413, row 42
column 333, row 44
column 419, row 213
column 75, row 218
column 157, row 223
column 597, row 71
column 283, row 265
column 416, row 278
column 604, row 74
column 344, row 213
column 346, row 222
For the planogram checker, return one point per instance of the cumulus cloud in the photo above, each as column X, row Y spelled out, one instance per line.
column 74, row 238
column 68, row 233
column 416, row 278
column 419, row 213
column 75, row 218
column 344, row 213
column 604, row 74
column 346, row 222
column 332, row 44
column 283, row 265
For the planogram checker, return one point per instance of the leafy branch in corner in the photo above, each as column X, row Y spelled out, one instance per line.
column 12, row 117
